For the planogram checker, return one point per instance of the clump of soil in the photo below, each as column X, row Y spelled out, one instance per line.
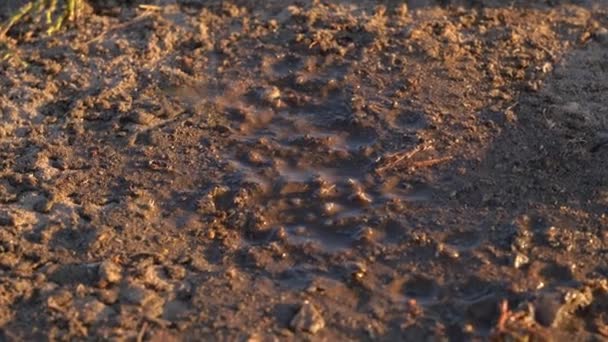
column 301, row 169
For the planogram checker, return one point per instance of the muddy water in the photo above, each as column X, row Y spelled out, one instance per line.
column 315, row 169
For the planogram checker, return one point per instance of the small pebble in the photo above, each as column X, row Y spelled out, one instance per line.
column 141, row 118
column 154, row 277
column 330, row 208
column 271, row 95
column 176, row 272
column 361, row 197
column 365, row 234
column 280, row 233
column 44, row 205
column 308, row 319
column 109, row 273
column 520, row 260
column 255, row 158
column 447, row 251
column 92, row 310
column 108, row 296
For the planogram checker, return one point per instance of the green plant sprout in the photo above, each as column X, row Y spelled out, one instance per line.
column 55, row 13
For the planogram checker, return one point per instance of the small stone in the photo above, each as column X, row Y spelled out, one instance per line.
column 81, row 290
column 206, row 205
column 108, row 296
column 154, row 277
column 520, row 260
column 255, row 337
column 176, row 272
column 232, row 273
column 141, row 118
column 255, row 158
column 17, row 218
column 59, row 301
column 199, row 263
column 361, row 197
column 468, row 328
column 44, row 205
column 109, row 273
column 280, row 233
column 151, row 303
column 23, row 288
column 365, row 234
column 447, row 251
column 210, row 234
column 271, row 95
column 295, row 201
column 153, row 306
column 330, row 208
column 8, row 260
column 357, row 270
column 308, row 319
column 92, row 310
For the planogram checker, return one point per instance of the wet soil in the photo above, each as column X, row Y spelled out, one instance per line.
column 307, row 170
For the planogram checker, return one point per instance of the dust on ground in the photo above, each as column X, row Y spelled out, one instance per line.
column 307, row 170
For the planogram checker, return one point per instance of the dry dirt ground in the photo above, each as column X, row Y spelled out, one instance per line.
column 307, row 170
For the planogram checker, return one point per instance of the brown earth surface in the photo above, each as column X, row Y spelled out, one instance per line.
column 307, row 170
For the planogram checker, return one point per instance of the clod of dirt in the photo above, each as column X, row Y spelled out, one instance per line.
column 359, row 196
column 330, row 208
column 16, row 218
column 154, row 277
column 8, row 260
column 44, row 205
column 271, row 95
column 141, row 118
column 554, row 309
column 151, row 303
column 59, row 301
column 308, row 319
column 154, row 306
column 108, row 296
column 176, row 272
column 447, row 251
column 92, row 310
column 364, row 235
column 520, row 260
column 109, row 273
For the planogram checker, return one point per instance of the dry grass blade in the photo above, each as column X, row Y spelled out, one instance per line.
column 431, row 162
column 393, row 159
